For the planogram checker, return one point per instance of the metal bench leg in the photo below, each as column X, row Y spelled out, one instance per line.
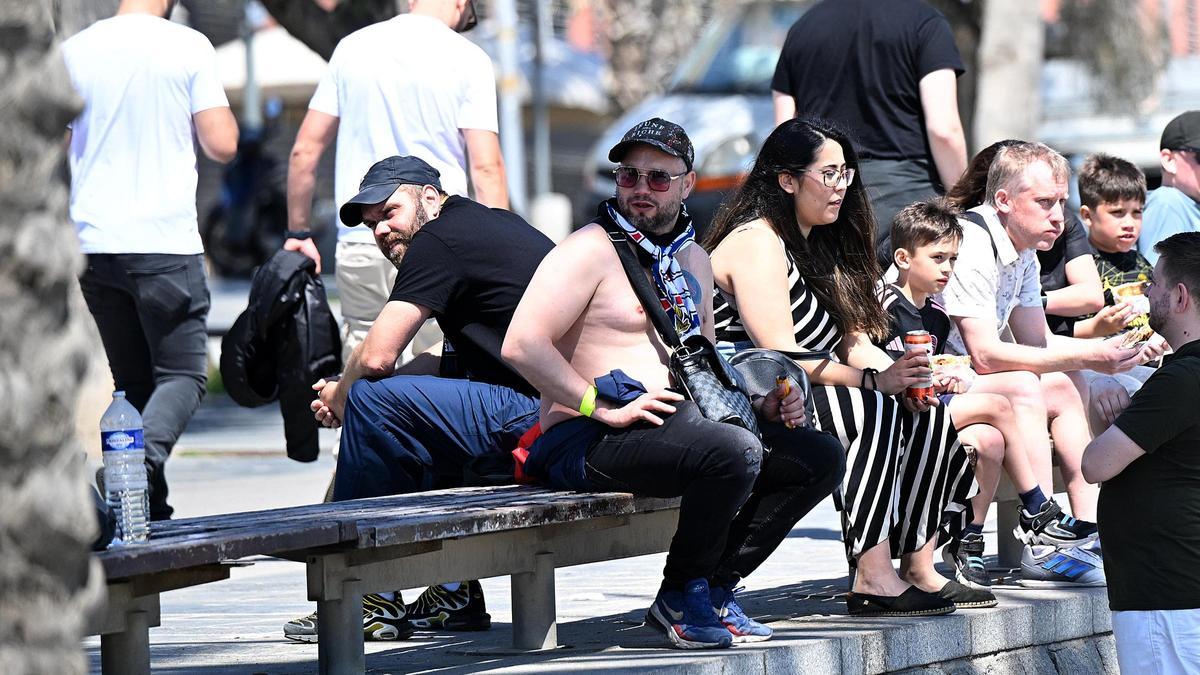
column 534, row 621
column 1009, row 548
column 340, row 632
column 128, row 651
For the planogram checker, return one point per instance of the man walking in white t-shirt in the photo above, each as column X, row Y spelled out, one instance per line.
column 410, row 85
column 148, row 85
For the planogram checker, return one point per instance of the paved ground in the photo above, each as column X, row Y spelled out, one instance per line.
column 231, row 459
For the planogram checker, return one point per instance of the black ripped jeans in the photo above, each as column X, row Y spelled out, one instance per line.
column 802, row 468
column 152, row 311
column 712, row 466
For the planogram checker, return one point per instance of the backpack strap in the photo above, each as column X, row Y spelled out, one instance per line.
column 977, row 218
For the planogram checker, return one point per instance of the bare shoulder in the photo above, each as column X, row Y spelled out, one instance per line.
column 755, row 242
column 756, row 238
column 583, row 256
column 696, row 260
column 588, row 243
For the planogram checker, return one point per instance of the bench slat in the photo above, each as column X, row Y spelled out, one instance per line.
column 363, row 524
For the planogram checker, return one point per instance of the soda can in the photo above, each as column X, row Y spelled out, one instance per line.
column 920, row 340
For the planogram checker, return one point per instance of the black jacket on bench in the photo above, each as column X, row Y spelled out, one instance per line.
column 285, row 340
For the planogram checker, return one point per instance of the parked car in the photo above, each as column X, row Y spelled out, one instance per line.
column 720, row 94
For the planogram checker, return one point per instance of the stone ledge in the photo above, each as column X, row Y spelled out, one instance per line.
column 1029, row 631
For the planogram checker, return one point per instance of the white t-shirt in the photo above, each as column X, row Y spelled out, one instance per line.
column 132, row 155
column 405, row 86
column 983, row 287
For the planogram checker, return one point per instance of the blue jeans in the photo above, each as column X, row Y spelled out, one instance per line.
column 152, row 311
column 412, row 433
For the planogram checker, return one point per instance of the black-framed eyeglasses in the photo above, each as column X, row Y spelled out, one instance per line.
column 833, row 177
column 656, row 179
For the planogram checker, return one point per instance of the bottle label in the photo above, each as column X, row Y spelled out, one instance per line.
column 125, row 439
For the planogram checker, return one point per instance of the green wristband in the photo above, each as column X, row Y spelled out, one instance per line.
column 588, row 405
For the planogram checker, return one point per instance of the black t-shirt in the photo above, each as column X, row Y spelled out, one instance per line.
column 906, row 317
column 860, row 62
column 1149, row 514
column 1121, row 268
column 1071, row 244
column 470, row 266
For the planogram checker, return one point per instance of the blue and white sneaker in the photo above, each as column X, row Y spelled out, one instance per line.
column 1061, row 567
column 1050, row 526
column 741, row 626
column 688, row 618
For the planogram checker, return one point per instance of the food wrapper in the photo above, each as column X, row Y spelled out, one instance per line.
column 954, row 365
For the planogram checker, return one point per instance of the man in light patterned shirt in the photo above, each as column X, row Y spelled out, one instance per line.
column 996, row 303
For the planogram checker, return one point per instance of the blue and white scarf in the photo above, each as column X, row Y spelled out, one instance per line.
column 669, row 280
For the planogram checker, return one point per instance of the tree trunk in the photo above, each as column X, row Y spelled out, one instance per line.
column 49, row 581
column 648, row 38
column 1007, row 104
column 72, row 16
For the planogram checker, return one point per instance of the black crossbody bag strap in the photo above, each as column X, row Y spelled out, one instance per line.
column 641, row 285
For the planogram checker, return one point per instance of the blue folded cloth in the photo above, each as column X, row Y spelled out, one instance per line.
column 618, row 387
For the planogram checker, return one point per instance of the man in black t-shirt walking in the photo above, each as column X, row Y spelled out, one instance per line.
column 1149, row 462
column 887, row 69
column 417, row 427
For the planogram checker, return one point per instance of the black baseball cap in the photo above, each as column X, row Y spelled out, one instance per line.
column 666, row 136
column 1182, row 132
column 381, row 181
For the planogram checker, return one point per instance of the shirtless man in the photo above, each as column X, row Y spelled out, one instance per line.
column 580, row 320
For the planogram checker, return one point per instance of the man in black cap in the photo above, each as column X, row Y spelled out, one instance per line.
column 406, row 430
column 609, row 421
column 1174, row 207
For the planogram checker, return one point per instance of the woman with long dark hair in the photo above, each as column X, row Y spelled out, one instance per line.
column 793, row 261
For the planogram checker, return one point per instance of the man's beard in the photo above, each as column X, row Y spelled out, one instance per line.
column 1159, row 312
column 661, row 223
column 396, row 244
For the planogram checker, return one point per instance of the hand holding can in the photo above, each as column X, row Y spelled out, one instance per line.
column 921, row 341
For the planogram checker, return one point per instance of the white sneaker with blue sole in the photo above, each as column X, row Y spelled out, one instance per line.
column 1061, row 567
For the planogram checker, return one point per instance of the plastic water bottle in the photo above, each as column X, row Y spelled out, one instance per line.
column 125, row 485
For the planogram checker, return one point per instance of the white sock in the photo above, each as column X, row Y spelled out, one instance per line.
column 452, row 587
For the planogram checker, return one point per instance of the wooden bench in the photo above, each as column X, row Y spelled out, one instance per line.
column 367, row 545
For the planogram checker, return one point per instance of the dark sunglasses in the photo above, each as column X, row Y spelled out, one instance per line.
column 656, row 179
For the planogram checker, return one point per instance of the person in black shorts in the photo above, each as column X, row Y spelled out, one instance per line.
column 888, row 71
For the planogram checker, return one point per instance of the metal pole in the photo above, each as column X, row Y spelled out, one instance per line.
column 512, row 137
column 252, row 117
column 544, row 28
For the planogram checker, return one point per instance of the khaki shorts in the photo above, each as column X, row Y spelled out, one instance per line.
column 364, row 280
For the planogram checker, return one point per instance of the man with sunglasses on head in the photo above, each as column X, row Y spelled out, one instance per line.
column 610, row 421
column 411, row 85
column 1174, row 207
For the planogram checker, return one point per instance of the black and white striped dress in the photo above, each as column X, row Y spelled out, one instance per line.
column 907, row 475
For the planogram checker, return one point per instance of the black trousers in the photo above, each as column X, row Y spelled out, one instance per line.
column 732, row 515
column 892, row 185
column 803, row 467
column 152, row 310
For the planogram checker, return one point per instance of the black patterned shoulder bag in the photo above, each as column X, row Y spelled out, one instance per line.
column 694, row 363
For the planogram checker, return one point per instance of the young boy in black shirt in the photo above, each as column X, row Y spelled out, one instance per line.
column 1112, row 193
column 926, row 237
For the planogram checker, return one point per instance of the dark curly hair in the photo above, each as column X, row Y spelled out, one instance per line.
column 837, row 260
